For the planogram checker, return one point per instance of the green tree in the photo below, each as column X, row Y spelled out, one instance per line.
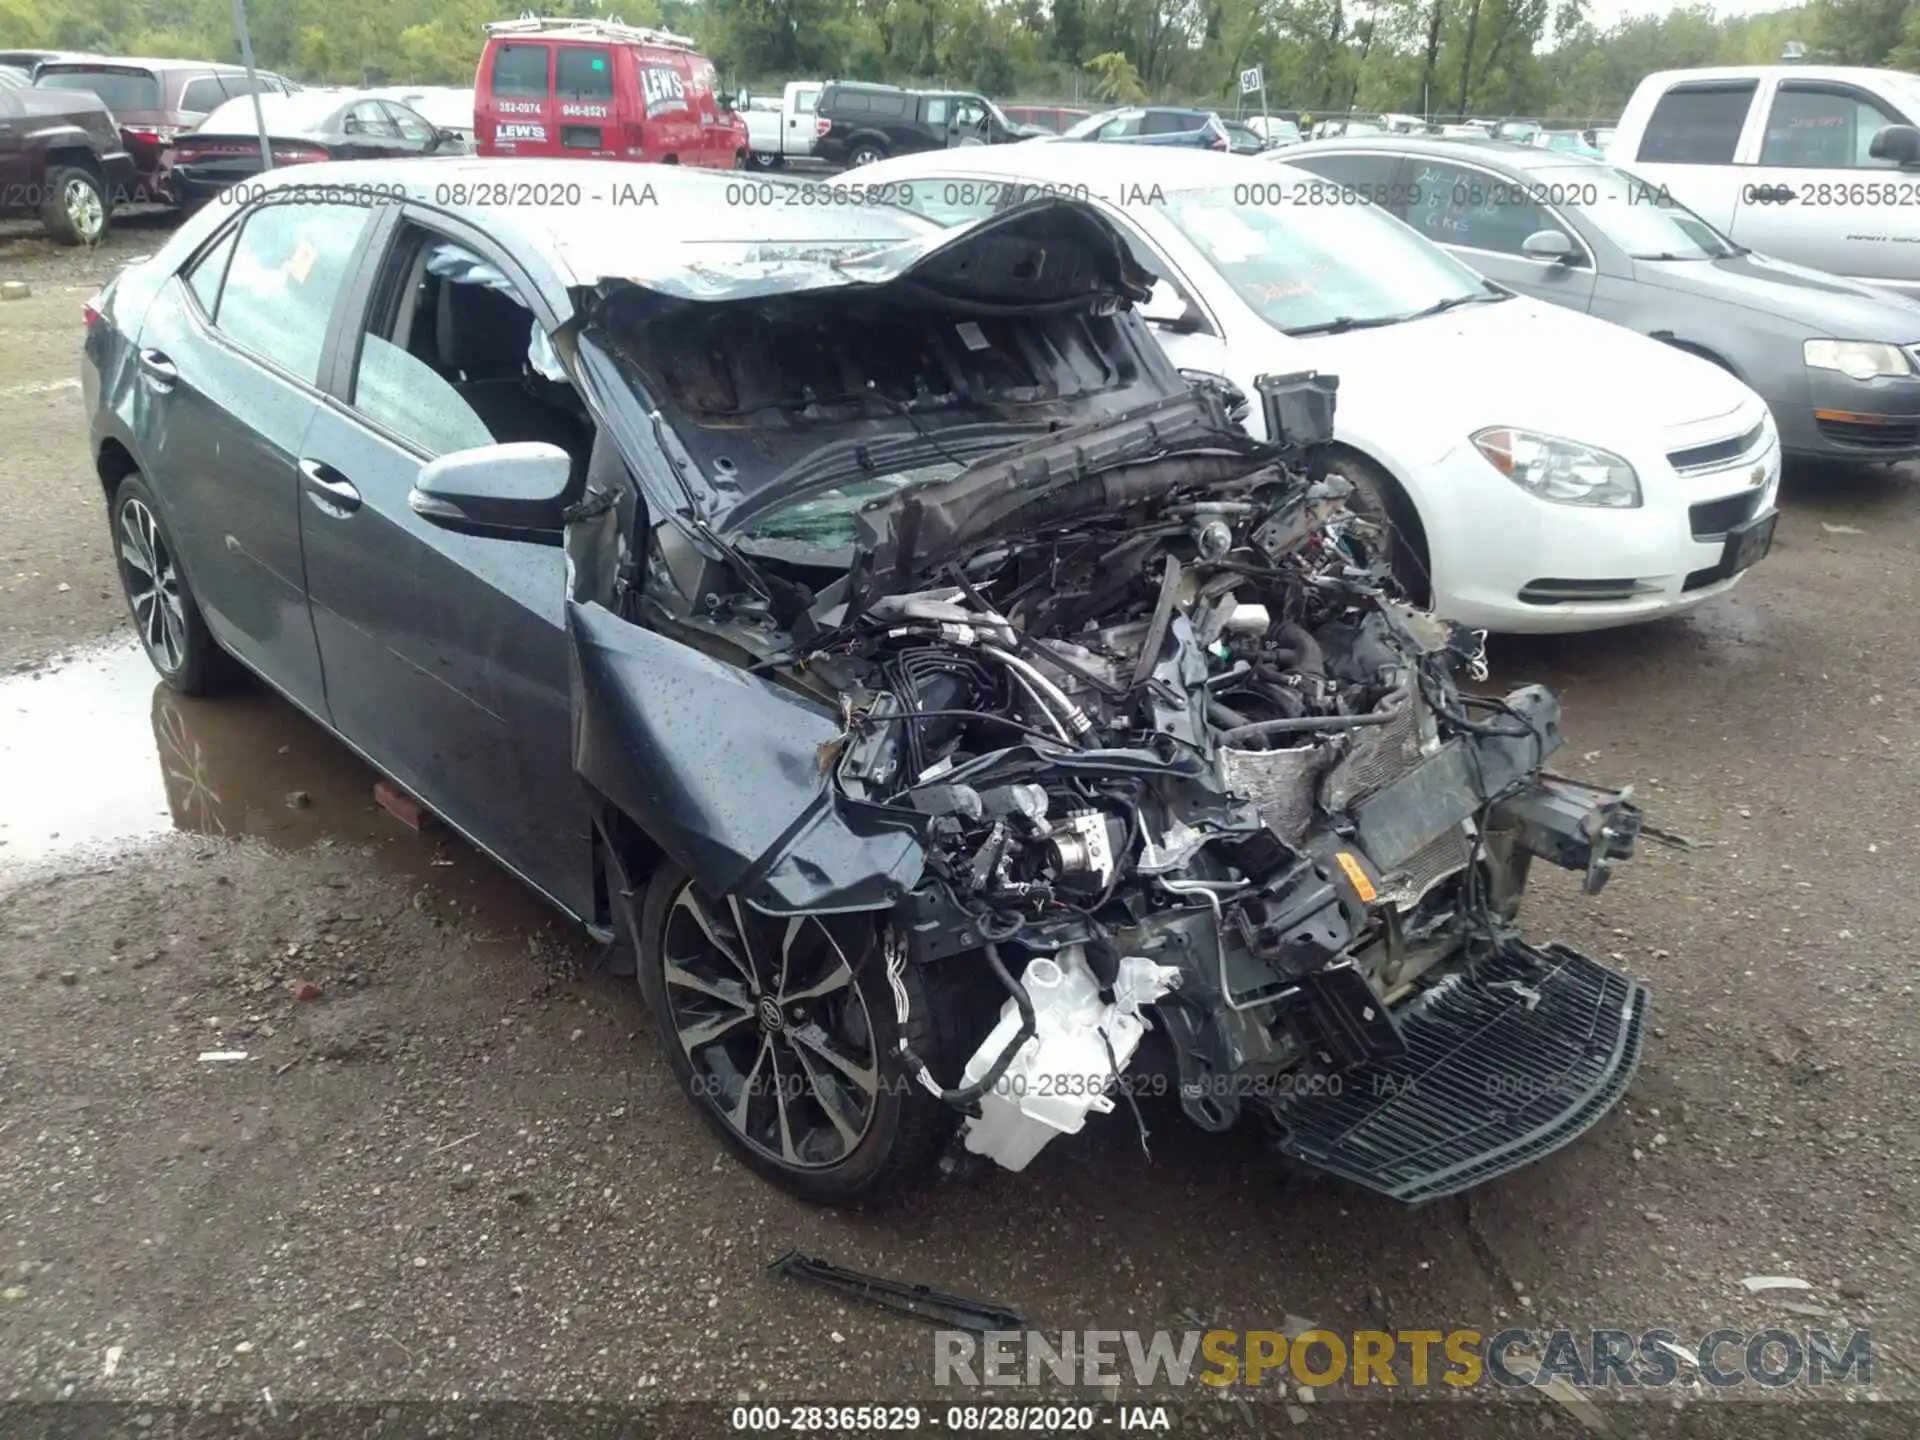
column 1115, row 80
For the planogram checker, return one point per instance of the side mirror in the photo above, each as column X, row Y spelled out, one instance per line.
column 1898, row 143
column 1171, row 310
column 508, row 491
column 1548, row 245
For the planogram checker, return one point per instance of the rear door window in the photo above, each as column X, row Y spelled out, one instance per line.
column 582, row 72
column 236, row 85
column 118, row 89
column 203, row 95
column 287, row 270
column 207, row 273
column 1172, row 122
column 370, row 119
column 408, row 122
column 520, row 71
column 1697, row 124
column 1824, row 127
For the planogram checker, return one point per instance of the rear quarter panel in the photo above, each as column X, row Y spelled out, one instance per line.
column 109, row 366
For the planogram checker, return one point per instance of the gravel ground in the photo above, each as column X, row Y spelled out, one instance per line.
column 459, row 1169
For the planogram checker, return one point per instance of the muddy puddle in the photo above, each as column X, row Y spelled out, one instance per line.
column 98, row 753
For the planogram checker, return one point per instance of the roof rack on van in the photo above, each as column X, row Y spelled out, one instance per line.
column 610, row 29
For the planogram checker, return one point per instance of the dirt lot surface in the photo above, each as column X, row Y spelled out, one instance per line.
column 460, row 1170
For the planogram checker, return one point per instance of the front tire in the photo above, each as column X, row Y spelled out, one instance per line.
column 780, row 1032
column 763, row 161
column 165, row 615
column 76, row 211
column 1378, row 499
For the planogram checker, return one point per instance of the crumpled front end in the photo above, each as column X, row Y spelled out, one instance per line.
column 1124, row 728
column 1182, row 761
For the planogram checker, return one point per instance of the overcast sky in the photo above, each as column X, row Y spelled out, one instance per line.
column 1605, row 12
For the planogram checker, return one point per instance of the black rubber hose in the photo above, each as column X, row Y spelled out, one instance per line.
column 966, row 1094
column 1294, row 637
column 1225, row 715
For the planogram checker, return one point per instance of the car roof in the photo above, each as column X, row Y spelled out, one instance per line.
column 1098, row 166
column 298, row 111
column 142, row 62
column 1444, row 147
column 714, row 247
column 1852, row 74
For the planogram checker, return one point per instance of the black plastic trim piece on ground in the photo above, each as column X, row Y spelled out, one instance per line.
column 900, row 1296
column 1499, row 1070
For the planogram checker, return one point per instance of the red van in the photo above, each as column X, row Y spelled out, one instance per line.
column 599, row 89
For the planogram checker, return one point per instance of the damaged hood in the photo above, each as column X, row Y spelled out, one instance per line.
column 806, row 358
column 1069, row 252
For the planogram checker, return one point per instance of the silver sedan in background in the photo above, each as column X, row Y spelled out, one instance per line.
column 1837, row 361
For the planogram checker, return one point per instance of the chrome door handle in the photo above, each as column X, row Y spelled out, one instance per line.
column 158, row 371
column 325, row 483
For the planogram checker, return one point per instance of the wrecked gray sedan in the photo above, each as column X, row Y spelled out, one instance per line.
column 965, row 727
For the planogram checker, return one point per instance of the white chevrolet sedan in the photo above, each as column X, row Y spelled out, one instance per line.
column 1545, row 471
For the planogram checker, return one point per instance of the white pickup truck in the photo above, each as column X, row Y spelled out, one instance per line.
column 1817, row 164
column 780, row 128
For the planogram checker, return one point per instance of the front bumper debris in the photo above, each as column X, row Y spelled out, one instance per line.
column 1498, row 1069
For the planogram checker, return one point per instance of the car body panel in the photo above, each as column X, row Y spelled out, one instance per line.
column 728, row 774
column 229, row 415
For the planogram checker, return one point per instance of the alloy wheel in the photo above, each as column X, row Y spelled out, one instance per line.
column 152, row 583
column 84, row 208
column 777, row 1032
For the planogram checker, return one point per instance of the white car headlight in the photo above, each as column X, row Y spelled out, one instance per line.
column 1858, row 359
column 1564, row 472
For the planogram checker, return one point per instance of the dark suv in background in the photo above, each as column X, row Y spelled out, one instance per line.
column 859, row 124
column 61, row 158
column 153, row 101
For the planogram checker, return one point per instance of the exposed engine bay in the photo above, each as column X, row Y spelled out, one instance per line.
column 1184, row 755
column 1122, row 725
